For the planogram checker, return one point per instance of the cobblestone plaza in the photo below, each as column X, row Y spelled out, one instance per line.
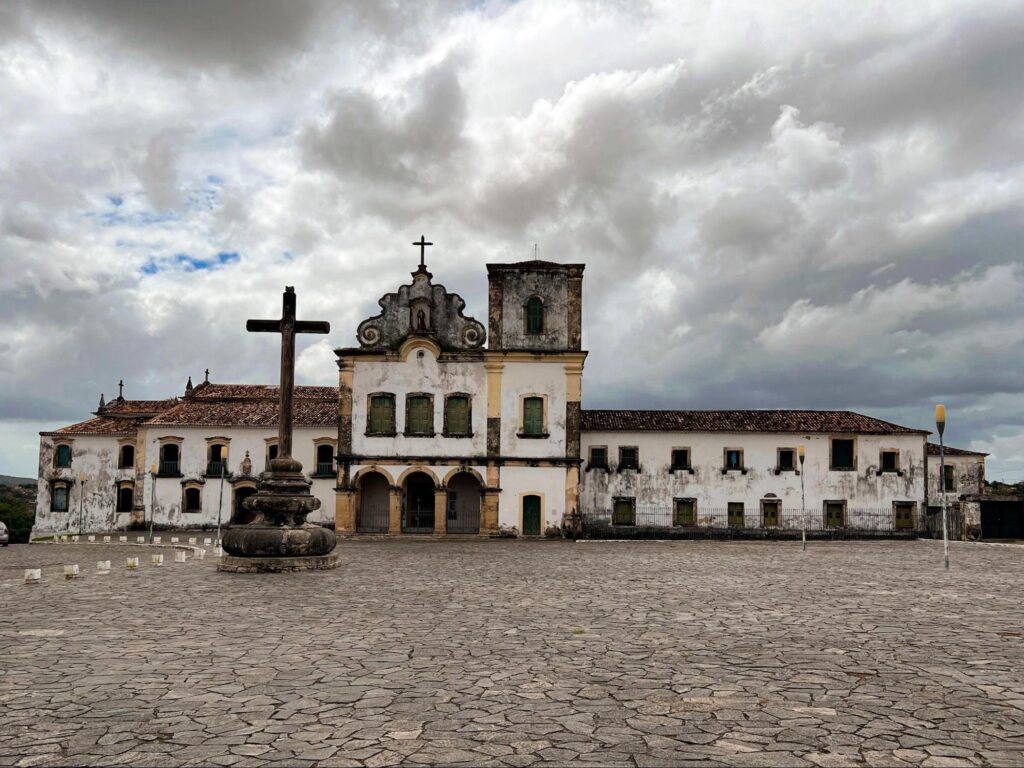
column 519, row 653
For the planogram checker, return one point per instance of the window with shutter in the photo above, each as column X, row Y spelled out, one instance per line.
column 420, row 414
column 685, row 512
column 533, row 416
column 63, row 456
column 60, row 499
column 535, row 315
column 624, row 512
column 835, row 514
column 456, row 415
column 382, row 415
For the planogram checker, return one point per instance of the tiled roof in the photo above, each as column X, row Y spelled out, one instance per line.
column 239, row 412
column 933, row 450
column 207, row 391
column 101, row 425
column 739, row 421
column 142, row 407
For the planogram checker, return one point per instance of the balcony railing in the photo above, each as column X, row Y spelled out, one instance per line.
column 667, row 522
column 216, row 468
column 170, row 468
column 324, row 469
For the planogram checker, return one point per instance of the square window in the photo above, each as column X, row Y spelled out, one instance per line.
column 842, row 454
column 890, row 461
column 624, row 512
column 787, row 459
column 680, row 458
column 835, row 514
column 381, row 419
column 628, row 457
column 733, row 458
column 684, row 512
column 598, row 458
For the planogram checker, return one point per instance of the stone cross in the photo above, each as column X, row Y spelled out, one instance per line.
column 287, row 326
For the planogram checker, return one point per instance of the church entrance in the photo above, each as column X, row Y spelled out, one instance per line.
column 240, row 515
column 419, row 504
column 463, row 513
column 374, row 504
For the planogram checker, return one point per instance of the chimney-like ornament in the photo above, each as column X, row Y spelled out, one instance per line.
column 189, row 388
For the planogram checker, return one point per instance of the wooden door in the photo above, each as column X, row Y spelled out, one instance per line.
column 531, row 515
column 735, row 510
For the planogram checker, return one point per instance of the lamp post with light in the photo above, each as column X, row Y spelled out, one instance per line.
column 803, row 503
column 81, row 501
column 152, row 499
column 940, row 422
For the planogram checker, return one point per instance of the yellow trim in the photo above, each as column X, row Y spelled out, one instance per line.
column 469, row 471
column 494, row 372
column 498, row 355
column 418, row 342
column 574, row 382
column 522, row 411
column 372, row 468
column 418, row 468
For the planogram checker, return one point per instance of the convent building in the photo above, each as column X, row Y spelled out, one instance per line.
column 441, row 426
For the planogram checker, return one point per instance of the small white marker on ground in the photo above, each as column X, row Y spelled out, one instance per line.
column 33, row 575
column 192, row 540
column 106, row 539
column 71, row 571
column 174, row 539
column 103, row 566
column 207, row 542
column 91, row 538
column 131, row 563
column 74, row 539
column 158, row 560
column 199, row 553
column 179, row 556
column 157, row 539
column 122, row 539
column 140, row 539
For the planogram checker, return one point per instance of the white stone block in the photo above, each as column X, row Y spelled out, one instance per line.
column 207, row 541
column 71, row 571
column 33, row 575
column 106, row 539
column 192, row 540
column 140, row 539
column 200, row 553
column 90, row 538
column 122, row 539
column 131, row 563
column 74, row 539
column 179, row 556
column 158, row 560
column 157, row 539
column 174, row 539
column 102, row 566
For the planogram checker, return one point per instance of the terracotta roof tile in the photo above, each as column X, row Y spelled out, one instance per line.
column 141, row 407
column 259, row 392
column 101, row 425
column 251, row 405
column 738, row 421
column 933, row 450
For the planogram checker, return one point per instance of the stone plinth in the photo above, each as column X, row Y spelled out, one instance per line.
column 232, row 564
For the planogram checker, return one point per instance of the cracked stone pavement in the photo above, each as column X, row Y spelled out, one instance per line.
column 512, row 653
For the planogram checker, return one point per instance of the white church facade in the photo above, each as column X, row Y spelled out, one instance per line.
column 441, row 426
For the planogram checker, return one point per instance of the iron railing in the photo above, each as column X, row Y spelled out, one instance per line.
column 324, row 468
column 667, row 520
column 215, row 468
column 170, row 468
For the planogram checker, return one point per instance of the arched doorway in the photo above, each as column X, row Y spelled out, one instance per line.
column 419, row 503
column 463, row 512
column 374, row 503
column 239, row 514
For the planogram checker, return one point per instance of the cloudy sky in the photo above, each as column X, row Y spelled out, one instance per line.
column 784, row 204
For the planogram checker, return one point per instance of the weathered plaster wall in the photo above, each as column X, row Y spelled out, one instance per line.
column 968, row 474
column 653, row 485
column 421, row 372
column 516, row 482
column 553, row 289
column 533, row 378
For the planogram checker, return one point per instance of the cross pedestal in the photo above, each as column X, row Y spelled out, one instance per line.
column 278, row 538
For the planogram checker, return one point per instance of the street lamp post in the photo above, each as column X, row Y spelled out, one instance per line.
column 152, row 499
column 940, row 422
column 803, row 503
column 220, row 501
column 81, row 501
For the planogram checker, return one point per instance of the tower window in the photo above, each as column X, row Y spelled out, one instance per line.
column 63, row 457
column 533, row 415
column 534, row 315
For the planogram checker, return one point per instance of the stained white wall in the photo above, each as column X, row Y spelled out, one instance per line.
column 421, row 372
column 968, row 474
column 653, row 485
column 548, row 482
column 533, row 378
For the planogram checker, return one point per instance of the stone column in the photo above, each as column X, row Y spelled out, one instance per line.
column 489, row 511
column 494, row 369
column 394, row 510
column 345, row 511
column 440, row 512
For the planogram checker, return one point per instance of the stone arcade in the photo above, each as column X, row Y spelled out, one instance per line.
column 442, row 426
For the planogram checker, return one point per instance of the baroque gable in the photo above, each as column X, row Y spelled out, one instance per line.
column 422, row 309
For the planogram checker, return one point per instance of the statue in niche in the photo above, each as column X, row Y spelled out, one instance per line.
column 421, row 320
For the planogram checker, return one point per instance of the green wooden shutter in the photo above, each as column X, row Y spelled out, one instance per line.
column 533, row 416
column 458, row 415
column 382, row 415
column 685, row 512
column 421, row 416
column 624, row 512
column 535, row 316
column 735, row 510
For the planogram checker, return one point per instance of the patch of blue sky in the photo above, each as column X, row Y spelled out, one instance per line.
column 117, row 200
column 189, row 263
column 119, row 217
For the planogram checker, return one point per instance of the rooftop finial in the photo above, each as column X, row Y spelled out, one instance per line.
column 207, row 379
column 102, row 403
column 536, row 252
column 189, row 387
column 120, row 390
column 422, row 244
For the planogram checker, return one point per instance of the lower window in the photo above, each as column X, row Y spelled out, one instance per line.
column 835, row 514
column 624, row 512
column 770, row 513
column 735, row 510
column 684, row 512
column 904, row 514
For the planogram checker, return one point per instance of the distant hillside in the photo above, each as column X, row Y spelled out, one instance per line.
column 17, row 507
column 9, row 480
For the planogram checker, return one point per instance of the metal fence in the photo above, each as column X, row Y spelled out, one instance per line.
column 668, row 522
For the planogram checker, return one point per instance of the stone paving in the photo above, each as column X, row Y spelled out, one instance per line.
column 520, row 653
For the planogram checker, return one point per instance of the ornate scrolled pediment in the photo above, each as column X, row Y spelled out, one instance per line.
column 422, row 309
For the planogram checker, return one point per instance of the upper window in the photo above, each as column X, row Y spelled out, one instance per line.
column 842, row 454
column 170, row 459
column 63, row 456
column 949, row 478
column 733, row 458
column 890, row 461
column 217, row 463
column 456, row 416
column 680, row 458
column 598, row 457
column 126, row 457
column 381, row 419
column 629, row 457
column 59, row 499
column 534, row 315
column 419, row 415
column 533, row 415
column 787, row 460
column 325, row 459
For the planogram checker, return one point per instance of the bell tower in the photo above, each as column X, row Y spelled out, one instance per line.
column 535, row 306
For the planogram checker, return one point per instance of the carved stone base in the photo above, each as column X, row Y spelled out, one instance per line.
column 231, row 564
column 254, row 540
